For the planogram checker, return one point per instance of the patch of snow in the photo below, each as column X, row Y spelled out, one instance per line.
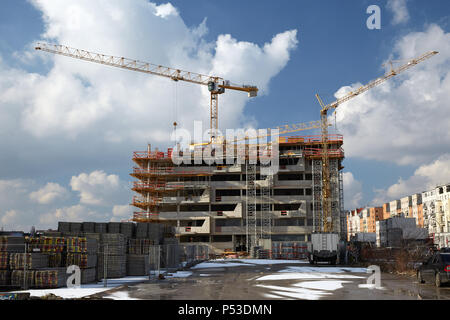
column 179, row 274
column 85, row 289
column 296, row 292
column 370, row 286
column 120, row 295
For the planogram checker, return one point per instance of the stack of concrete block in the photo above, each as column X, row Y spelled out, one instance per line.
column 170, row 256
column 101, row 227
column 33, row 261
column 53, row 234
column 114, row 227
column 137, row 265
column 113, row 249
column 142, row 230
column 127, row 229
column 89, row 227
column 81, row 245
column 50, row 278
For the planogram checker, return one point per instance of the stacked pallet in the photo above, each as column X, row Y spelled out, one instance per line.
column 12, row 244
column 127, row 229
column 33, row 261
column 89, row 227
column 63, row 226
column 142, row 230
column 139, row 246
column 17, row 278
column 50, row 278
column 101, row 227
column 88, row 275
column 46, row 244
column 81, row 245
column 137, row 265
column 113, row 254
column 155, row 233
column 82, row 260
column 114, row 227
column 75, row 227
column 5, row 278
column 4, row 260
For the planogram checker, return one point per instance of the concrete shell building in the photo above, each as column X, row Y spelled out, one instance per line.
column 232, row 206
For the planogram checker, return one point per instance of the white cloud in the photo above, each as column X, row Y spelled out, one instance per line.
column 96, row 188
column 108, row 104
column 51, row 192
column 76, row 213
column 122, row 212
column 165, row 10
column 399, row 11
column 425, row 177
column 405, row 120
column 352, row 191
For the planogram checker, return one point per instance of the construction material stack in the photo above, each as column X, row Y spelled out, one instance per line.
column 83, row 253
column 112, row 256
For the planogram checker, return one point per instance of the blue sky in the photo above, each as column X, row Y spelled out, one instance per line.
column 335, row 49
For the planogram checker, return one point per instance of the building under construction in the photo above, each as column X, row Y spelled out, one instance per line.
column 239, row 206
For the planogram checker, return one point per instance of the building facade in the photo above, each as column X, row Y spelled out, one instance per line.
column 226, row 205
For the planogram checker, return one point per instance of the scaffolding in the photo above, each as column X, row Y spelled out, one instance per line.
column 250, row 200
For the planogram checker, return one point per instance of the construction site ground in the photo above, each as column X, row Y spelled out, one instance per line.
column 272, row 280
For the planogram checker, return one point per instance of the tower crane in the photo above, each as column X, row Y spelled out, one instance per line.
column 216, row 85
column 327, row 222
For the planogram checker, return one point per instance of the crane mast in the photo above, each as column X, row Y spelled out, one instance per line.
column 327, row 221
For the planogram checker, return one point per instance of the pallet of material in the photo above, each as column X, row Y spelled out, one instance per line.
column 12, row 244
column 33, row 260
column 127, row 229
column 18, row 277
column 4, row 260
column 112, row 243
column 50, row 278
column 139, row 246
column 46, row 244
column 56, row 234
column 137, row 265
column 113, row 227
column 116, row 266
column 88, row 227
column 81, row 245
column 141, row 230
column 83, row 260
column 5, row 278
column 63, row 226
column 88, row 275
column 101, row 227
column 155, row 233
column 75, row 226
column 55, row 260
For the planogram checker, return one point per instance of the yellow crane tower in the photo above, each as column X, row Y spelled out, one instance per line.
column 327, row 221
column 216, row 85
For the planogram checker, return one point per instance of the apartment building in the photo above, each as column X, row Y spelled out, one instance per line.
column 224, row 205
column 395, row 208
column 406, row 207
column 386, row 211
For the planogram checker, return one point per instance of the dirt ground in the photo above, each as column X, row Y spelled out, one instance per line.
column 281, row 281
